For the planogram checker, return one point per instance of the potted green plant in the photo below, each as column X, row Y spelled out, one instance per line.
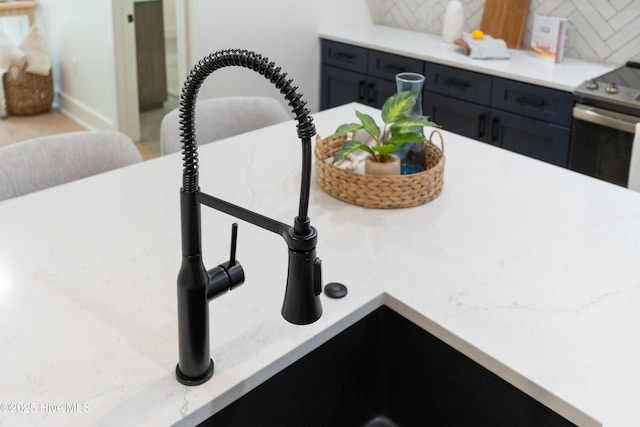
column 400, row 128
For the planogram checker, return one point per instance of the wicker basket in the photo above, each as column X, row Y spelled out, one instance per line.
column 28, row 93
column 371, row 191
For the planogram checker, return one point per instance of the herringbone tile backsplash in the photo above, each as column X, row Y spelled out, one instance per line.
column 600, row 30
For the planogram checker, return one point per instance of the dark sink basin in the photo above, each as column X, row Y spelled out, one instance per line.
column 386, row 371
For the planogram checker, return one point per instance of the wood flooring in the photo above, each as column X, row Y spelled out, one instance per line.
column 21, row 128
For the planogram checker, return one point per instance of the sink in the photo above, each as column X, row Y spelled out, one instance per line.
column 385, row 371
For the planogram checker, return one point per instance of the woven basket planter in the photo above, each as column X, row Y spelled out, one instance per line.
column 28, row 93
column 386, row 192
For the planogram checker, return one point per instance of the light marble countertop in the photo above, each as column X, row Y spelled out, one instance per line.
column 530, row 269
column 522, row 66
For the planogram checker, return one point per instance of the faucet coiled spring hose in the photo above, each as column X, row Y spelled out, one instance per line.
column 261, row 65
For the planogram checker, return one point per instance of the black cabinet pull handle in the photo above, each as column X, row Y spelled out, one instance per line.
column 457, row 83
column 539, row 103
column 482, row 125
column 362, row 91
column 371, row 94
column 392, row 68
column 495, row 129
column 343, row 56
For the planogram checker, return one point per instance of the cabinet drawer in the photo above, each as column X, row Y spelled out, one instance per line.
column 386, row 65
column 549, row 105
column 345, row 56
column 461, row 84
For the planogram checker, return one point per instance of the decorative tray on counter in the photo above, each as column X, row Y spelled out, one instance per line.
column 372, row 191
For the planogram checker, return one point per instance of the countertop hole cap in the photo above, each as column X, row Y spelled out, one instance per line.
column 335, row 290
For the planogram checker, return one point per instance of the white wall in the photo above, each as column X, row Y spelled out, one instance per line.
column 15, row 27
column 80, row 38
column 286, row 31
column 169, row 15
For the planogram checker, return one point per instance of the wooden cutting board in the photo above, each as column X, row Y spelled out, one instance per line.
column 505, row 19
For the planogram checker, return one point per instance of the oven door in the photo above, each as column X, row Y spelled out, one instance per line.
column 601, row 143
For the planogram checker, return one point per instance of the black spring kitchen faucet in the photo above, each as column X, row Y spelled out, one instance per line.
column 197, row 285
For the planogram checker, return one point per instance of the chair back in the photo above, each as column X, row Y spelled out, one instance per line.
column 47, row 161
column 220, row 118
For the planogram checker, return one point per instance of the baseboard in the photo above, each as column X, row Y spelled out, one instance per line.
column 83, row 114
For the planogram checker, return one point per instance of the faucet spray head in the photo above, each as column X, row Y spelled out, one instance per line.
column 304, row 284
column 304, row 276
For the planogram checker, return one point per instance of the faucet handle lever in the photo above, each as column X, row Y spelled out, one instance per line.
column 228, row 275
column 234, row 240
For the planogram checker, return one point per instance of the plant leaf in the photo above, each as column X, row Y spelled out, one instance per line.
column 398, row 106
column 369, row 125
column 406, row 137
column 346, row 128
column 385, row 150
column 349, row 147
column 415, row 121
column 401, row 139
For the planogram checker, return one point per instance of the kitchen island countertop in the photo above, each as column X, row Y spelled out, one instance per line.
column 530, row 269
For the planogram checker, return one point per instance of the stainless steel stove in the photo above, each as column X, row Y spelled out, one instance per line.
column 605, row 115
column 618, row 90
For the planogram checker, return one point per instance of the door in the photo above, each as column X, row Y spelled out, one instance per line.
column 150, row 54
column 382, row 90
column 128, row 115
column 341, row 86
column 533, row 138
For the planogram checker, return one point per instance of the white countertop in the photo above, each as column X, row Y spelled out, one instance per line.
column 522, row 66
column 530, row 269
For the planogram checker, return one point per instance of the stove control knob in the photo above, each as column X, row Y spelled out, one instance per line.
column 612, row 89
column 592, row 84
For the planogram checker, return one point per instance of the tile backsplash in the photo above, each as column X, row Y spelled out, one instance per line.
column 600, row 30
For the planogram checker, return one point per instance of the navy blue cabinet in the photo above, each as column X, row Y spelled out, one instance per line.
column 458, row 100
column 528, row 119
column 533, row 138
column 531, row 120
column 351, row 73
column 520, row 117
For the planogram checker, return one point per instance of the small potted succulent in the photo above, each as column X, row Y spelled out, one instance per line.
column 400, row 128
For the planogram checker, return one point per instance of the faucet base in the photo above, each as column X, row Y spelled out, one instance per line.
column 191, row 381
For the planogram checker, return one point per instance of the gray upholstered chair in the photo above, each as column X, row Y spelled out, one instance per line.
column 47, row 161
column 219, row 118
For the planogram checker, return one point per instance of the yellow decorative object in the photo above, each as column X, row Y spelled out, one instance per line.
column 477, row 35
